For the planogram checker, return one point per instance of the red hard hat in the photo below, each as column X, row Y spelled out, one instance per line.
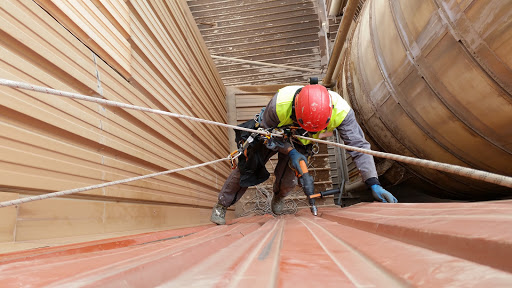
column 313, row 108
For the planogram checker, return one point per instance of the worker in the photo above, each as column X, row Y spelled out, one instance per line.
column 317, row 111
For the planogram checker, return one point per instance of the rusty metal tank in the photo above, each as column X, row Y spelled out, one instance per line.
column 433, row 79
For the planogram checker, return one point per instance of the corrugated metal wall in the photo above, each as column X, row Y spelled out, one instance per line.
column 146, row 53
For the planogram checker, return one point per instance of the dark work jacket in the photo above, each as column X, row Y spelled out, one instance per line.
column 252, row 168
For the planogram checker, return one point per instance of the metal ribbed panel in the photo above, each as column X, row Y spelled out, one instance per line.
column 50, row 143
column 283, row 32
column 366, row 245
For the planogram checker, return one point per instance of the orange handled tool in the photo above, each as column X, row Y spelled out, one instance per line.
column 303, row 167
column 325, row 193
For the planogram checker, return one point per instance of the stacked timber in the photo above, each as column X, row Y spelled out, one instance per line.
column 145, row 53
column 245, row 36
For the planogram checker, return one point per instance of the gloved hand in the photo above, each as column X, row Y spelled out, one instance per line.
column 382, row 195
column 295, row 158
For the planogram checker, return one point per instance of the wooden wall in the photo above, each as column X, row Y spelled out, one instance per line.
column 146, row 53
column 286, row 33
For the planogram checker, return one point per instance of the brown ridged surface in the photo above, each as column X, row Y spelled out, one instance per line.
column 367, row 245
column 283, row 32
column 432, row 79
column 50, row 143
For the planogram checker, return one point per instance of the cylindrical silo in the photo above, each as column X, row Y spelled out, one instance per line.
column 433, row 79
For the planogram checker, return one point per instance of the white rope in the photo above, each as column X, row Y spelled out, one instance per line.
column 266, row 64
column 498, row 179
column 450, row 168
column 77, row 190
column 21, row 85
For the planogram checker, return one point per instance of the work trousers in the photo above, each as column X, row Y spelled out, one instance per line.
column 285, row 181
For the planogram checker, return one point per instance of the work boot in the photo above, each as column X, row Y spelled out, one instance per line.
column 277, row 204
column 218, row 214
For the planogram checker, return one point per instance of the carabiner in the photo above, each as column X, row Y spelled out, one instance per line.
column 232, row 158
column 315, row 148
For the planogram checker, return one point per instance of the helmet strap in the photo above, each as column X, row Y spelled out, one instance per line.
column 294, row 117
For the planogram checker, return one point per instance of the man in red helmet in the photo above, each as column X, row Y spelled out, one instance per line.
column 316, row 110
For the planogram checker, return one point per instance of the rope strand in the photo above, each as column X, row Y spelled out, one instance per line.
column 25, row 86
column 83, row 189
column 455, row 169
column 498, row 179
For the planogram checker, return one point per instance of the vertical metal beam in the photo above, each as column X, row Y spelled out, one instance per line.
column 345, row 24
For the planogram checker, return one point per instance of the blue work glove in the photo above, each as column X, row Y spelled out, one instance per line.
column 382, row 195
column 295, row 158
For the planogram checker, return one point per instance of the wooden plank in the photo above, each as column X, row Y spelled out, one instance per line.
column 185, row 19
column 276, row 30
column 51, row 143
column 89, row 25
column 54, row 218
column 130, row 217
column 87, row 172
column 117, row 13
column 252, row 100
column 173, row 28
column 193, row 38
column 121, row 142
column 22, row 33
column 172, row 75
column 163, row 77
column 189, row 127
column 164, row 128
column 8, row 216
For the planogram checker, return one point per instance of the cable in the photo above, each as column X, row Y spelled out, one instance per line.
column 21, row 85
column 76, row 190
column 498, row 179
column 450, row 168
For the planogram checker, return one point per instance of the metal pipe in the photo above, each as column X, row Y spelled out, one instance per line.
column 339, row 64
column 356, row 187
column 335, row 7
column 345, row 24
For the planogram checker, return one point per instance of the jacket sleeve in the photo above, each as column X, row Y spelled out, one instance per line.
column 353, row 135
column 269, row 118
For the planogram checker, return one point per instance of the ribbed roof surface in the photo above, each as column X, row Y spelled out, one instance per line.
column 367, row 245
